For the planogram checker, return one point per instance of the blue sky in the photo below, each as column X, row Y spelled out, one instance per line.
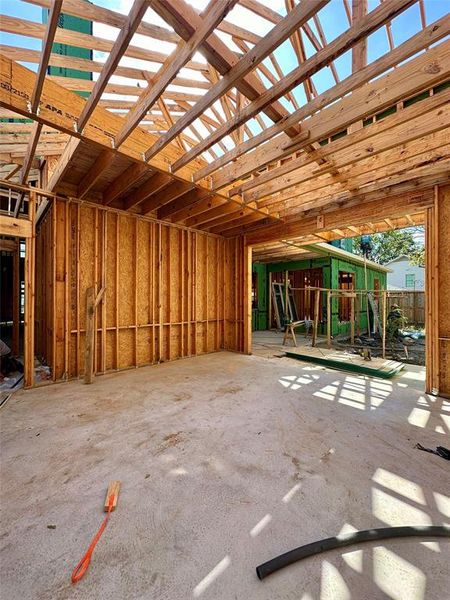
column 332, row 17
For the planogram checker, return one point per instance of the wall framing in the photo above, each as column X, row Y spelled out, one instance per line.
column 170, row 292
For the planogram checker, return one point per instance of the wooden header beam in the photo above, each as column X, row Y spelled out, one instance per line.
column 15, row 227
column 388, row 207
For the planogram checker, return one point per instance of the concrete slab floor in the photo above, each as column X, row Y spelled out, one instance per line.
column 225, row 461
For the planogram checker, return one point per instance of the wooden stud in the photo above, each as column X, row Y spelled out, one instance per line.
column 67, row 207
column 286, row 298
column 104, row 286
column 78, row 288
column 247, row 299
column 316, row 317
column 135, row 292
column 30, row 271
column 352, row 319
column 16, row 300
column 89, row 339
column 116, row 288
column 384, row 322
column 159, row 262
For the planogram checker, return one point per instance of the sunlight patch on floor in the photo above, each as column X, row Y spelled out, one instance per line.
column 393, row 511
column 399, row 485
column 396, row 577
column 212, row 576
column 333, row 584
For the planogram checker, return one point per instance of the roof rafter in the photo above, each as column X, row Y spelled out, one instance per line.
column 214, row 14
column 321, row 59
column 137, row 11
column 37, row 91
column 185, row 20
column 278, row 147
column 248, row 62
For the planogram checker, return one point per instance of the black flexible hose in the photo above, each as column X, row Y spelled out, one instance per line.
column 348, row 539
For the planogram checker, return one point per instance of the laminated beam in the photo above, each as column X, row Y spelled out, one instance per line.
column 354, row 215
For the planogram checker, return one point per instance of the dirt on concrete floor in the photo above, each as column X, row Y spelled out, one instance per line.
column 225, row 461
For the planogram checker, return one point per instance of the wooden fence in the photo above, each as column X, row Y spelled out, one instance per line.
column 412, row 304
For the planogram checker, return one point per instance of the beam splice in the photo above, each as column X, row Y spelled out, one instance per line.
column 359, row 51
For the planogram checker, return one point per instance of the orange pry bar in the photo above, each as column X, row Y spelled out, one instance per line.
column 113, row 489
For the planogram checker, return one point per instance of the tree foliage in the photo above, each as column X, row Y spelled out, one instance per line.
column 391, row 244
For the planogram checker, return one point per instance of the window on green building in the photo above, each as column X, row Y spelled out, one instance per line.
column 410, row 280
column 345, row 283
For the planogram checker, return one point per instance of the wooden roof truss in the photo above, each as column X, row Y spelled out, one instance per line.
column 223, row 120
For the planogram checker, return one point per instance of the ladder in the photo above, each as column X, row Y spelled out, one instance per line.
column 278, row 297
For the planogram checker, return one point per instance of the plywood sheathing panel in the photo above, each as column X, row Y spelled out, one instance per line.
column 170, row 292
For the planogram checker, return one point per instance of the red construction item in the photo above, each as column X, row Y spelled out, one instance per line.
column 81, row 568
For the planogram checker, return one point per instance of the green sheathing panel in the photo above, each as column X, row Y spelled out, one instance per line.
column 298, row 265
column 259, row 314
column 342, row 365
column 74, row 24
column 330, row 276
column 343, row 327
